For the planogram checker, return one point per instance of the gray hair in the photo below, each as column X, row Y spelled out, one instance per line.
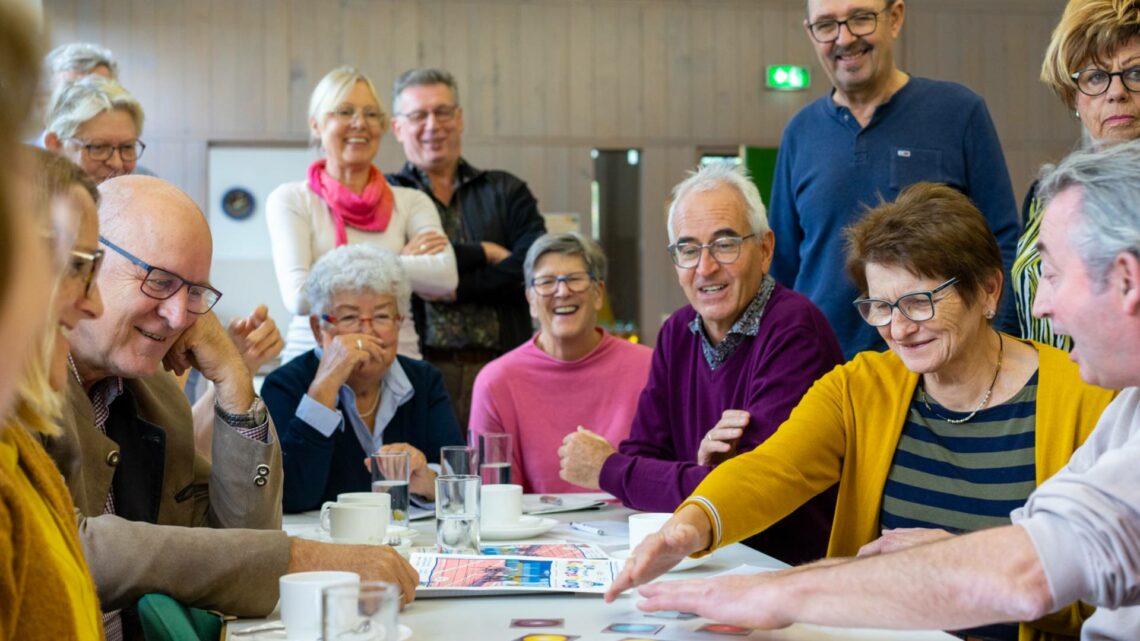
column 568, row 244
column 79, row 57
column 719, row 174
column 421, row 77
column 353, row 268
column 1110, row 220
column 332, row 88
column 77, row 102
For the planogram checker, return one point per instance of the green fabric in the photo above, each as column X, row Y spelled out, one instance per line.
column 164, row 619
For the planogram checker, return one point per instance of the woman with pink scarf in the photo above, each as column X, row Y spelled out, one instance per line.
column 346, row 200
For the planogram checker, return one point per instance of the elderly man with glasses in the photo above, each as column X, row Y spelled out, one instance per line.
column 126, row 445
column 877, row 132
column 727, row 370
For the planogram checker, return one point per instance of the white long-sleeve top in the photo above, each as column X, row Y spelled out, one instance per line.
column 301, row 230
column 1085, row 524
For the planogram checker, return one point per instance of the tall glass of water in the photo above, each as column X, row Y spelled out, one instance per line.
column 458, row 460
column 390, row 474
column 495, row 458
column 457, row 514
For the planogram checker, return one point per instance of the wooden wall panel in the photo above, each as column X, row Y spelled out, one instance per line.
column 543, row 82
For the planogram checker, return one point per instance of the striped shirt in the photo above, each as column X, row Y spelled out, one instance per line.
column 1026, row 273
column 963, row 477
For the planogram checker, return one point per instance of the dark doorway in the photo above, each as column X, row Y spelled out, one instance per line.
column 617, row 226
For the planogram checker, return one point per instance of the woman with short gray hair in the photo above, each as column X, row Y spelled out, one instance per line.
column 593, row 377
column 353, row 395
column 96, row 123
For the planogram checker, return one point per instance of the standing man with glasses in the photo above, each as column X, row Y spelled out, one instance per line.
column 490, row 218
column 877, row 132
column 727, row 370
column 126, row 445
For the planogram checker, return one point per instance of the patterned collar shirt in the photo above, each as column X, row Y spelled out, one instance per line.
column 747, row 325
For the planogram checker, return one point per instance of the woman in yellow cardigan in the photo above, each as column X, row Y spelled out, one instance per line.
column 948, row 431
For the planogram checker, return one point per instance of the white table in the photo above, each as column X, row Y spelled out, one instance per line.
column 489, row 618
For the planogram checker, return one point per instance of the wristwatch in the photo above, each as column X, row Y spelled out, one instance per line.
column 256, row 415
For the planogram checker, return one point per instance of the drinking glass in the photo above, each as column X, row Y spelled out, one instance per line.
column 390, row 474
column 457, row 514
column 365, row 612
column 495, row 458
column 458, row 460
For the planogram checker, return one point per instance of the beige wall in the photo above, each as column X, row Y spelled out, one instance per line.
column 544, row 81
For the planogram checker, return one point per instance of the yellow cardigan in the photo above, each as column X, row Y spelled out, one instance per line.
column 846, row 429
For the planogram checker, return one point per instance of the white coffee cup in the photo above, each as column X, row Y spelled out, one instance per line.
column 369, row 498
column 501, row 504
column 301, row 601
column 355, row 522
column 643, row 524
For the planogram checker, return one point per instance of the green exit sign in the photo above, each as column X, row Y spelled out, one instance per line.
column 788, row 78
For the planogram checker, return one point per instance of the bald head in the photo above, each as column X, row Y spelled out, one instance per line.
column 145, row 207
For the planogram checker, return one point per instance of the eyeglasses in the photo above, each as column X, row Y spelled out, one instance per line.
column 1094, row 82
column 161, row 284
column 84, row 266
column 860, row 24
column 576, row 282
column 347, row 113
column 723, row 250
column 442, row 113
column 917, row 306
column 354, row 323
column 103, row 151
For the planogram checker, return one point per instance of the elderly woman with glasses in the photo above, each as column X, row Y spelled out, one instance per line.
column 345, row 200
column 946, row 432
column 592, row 377
column 1093, row 65
column 96, row 123
column 353, row 395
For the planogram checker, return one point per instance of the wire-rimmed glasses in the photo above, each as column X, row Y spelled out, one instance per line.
column 724, row 250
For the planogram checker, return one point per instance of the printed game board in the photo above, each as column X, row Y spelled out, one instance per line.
column 454, row 575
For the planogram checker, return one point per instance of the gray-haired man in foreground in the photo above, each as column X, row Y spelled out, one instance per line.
column 1078, row 536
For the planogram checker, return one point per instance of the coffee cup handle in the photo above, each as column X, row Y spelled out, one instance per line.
column 326, row 526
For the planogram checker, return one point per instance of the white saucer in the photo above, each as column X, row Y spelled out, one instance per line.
column 687, row 563
column 526, row 527
column 277, row 631
column 317, row 534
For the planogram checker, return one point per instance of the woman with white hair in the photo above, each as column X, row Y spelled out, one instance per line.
column 352, row 395
column 96, row 123
column 346, row 200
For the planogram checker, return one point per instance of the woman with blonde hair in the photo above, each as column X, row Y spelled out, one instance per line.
column 96, row 123
column 346, row 200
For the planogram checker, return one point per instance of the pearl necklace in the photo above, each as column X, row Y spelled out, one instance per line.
column 373, row 410
column 985, row 399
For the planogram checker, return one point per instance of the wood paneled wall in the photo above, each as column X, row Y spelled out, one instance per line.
column 545, row 81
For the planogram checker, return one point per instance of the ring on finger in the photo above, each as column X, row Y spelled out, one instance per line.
column 708, row 436
column 423, row 246
column 359, row 344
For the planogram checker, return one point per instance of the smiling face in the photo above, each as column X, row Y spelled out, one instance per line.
column 1113, row 116
column 353, row 141
column 564, row 316
column 112, row 127
column 927, row 347
column 76, row 213
column 366, row 304
column 720, row 293
column 430, row 145
column 857, row 63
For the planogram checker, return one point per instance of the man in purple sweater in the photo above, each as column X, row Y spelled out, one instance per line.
column 727, row 370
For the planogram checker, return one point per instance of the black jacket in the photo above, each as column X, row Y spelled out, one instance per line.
column 495, row 206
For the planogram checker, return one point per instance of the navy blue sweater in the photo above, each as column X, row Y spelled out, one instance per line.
column 318, row 467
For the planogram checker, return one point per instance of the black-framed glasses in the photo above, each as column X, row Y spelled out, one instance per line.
column 161, row 284
column 84, row 266
column 1094, row 82
column 103, row 151
column 917, row 306
column 860, row 24
column 355, row 323
column 576, row 282
column 442, row 113
column 724, row 250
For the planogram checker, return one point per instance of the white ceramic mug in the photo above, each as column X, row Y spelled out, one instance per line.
column 643, row 524
column 501, row 504
column 301, row 610
column 369, row 498
column 355, row 522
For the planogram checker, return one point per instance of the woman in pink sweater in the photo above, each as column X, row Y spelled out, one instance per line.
column 572, row 374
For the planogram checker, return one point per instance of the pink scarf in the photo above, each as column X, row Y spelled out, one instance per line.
column 370, row 210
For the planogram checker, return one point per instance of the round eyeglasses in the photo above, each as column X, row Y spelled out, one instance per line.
column 917, row 306
column 1094, row 82
column 576, row 282
column 723, row 250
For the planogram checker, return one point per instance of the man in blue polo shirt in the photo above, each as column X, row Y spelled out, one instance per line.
column 877, row 132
